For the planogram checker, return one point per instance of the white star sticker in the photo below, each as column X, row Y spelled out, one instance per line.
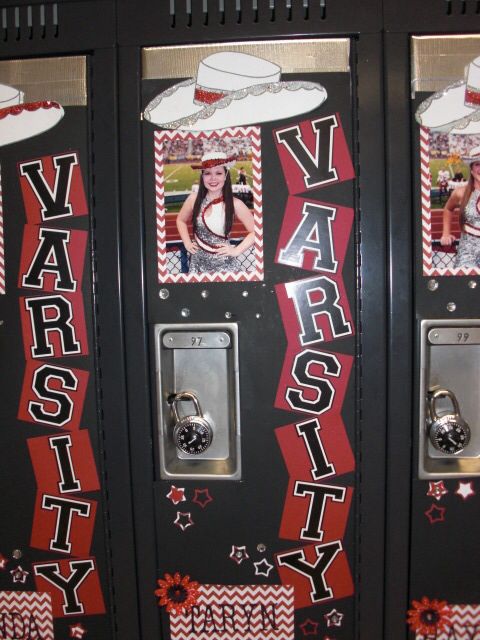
column 239, row 554
column 334, row 618
column 77, row 630
column 465, row 490
column 183, row 520
column 19, row 575
column 436, row 490
column 263, row 568
column 176, row 494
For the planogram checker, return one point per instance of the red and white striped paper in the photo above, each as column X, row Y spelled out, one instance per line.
column 464, row 624
column 239, row 612
column 26, row 614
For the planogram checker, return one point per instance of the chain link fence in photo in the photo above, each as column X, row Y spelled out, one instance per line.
column 443, row 257
column 178, row 258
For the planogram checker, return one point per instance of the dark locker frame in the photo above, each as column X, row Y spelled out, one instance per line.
column 387, row 327
column 148, row 23
column 67, row 30
column 408, row 294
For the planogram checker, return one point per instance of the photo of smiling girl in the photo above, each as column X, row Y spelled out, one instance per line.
column 465, row 201
column 212, row 211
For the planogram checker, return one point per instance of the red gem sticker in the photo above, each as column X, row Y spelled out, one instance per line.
column 428, row 617
column 177, row 594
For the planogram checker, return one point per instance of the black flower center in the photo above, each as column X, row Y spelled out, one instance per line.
column 177, row 593
column 430, row 617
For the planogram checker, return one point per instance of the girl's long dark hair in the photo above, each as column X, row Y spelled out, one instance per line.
column 227, row 198
column 466, row 197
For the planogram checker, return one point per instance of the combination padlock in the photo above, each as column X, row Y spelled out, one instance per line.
column 449, row 433
column 191, row 434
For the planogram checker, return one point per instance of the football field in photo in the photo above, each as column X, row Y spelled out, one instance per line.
column 181, row 176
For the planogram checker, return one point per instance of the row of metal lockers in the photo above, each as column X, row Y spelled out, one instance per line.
column 239, row 327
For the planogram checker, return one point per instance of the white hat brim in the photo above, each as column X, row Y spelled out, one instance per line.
column 28, row 123
column 446, row 111
column 174, row 108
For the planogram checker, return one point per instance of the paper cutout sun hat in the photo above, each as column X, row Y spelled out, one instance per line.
column 215, row 159
column 456, row 109
column 473, row 156
column 20, row 120
column 230, row 89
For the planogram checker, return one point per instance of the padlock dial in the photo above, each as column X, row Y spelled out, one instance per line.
column 450, row 437
column 193, row 437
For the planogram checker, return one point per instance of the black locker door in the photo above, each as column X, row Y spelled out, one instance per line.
column 432, row 492
column 61, row 372
column 248, row 539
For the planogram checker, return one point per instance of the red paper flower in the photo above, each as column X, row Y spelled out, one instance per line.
column 177, row 594
column 429, row 616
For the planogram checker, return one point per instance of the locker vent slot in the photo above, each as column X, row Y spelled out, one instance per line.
column 246, row 11
column 29, row 22
column 461, row 7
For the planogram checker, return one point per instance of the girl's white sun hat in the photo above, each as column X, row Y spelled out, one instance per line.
column 232, row 89
column 455, row 109
column 20, row 120
column 473, row 156
column 215, row 159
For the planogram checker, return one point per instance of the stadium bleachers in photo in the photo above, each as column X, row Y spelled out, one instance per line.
column 437, row 224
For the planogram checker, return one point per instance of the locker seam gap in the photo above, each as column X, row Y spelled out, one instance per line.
column 359, row 331
column 97, row 355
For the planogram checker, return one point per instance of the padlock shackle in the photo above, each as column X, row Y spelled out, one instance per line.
column 439, row 392
column 185, row 395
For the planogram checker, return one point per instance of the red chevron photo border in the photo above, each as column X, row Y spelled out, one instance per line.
column 165, row 275
column 429, row 269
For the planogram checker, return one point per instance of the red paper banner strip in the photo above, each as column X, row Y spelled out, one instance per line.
column 52, row 188
column 74, row 585
column 52, row 259
column 64, row 464
column 314, row 154
column 240, row 612
column 53, row 326
column 316, row 449
column 315, row 511
column 26, row 615
column 315, row 310
column 2, row 242
column 319, row 573
column 314, row 235
column 313, row 381
column 53, row 395
column 63, row 524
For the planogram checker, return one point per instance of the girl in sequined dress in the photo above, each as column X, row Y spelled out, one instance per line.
column 212, row 211
column 466, row 200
